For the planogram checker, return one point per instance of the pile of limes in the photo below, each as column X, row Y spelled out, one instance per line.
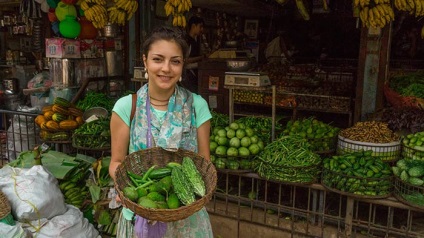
column 232, row 145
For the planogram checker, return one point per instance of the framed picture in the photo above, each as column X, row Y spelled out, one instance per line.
column 160, row 9
column 251, row 28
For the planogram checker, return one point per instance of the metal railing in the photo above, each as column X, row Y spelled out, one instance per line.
column 18, row 132
column 311, row 210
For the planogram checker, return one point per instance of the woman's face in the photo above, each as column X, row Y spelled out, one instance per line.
column 164, row 64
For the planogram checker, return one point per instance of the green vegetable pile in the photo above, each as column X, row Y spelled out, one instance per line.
column 413, row 146
column 234, row 146
column 94, row 99
column 320, row 135
column 168, row 187
column 358, row 173
column 94, row 134
column 289, row 159
column 262, row 126
column 219, row 119
column 409, row 85
column 411, row 173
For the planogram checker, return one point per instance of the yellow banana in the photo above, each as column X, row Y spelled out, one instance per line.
column 302, row 10
column 324, row 5
column 422, row 32
column 184, row 21
column 174, row 20
column 381, row 10
column 411, row 4
column 361, row 16
column 366, row 10
column 84, row 6
column 180, row 8
column 418, row 8
column 376, row 13
column 356, row 3
column 167, row 8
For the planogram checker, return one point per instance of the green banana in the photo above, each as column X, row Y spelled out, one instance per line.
column 69, row 186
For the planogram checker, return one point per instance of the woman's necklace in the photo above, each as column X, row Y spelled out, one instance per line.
column 166, row 100
column 158, row 105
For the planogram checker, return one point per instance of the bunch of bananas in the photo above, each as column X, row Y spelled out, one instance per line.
column 95, row 11
column 176, row 8
column 122, row 11
column 73, row 188
column 74, row 194
column 366, row 3
column 302, row 10
column 377, row 16
column 414, row 7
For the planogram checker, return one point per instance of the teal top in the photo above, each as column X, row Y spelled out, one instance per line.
column 123, row 109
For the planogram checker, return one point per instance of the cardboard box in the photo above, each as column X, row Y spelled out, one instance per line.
column 92, row 48
column 62, row 48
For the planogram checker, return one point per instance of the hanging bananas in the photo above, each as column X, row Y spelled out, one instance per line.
column 302, row 10
column 95, row 11
column 122, row 11
column 377, row 16
column 414, row 7
column 176, row 8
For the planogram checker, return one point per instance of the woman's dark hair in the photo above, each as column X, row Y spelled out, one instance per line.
column 169, row 34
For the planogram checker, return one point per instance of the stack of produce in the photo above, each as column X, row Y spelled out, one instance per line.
column 406, row 90
column 370, row 135
column 262, row 126
column 289, row 159
column 168, row 187
column 409, row 184
column 357, row 173
column 93, row 135
column 413, row 146
column 57, row 120
column 248, row 96
column 321, row 136
column 94, row 99
column 234, row 146
column 403, row 119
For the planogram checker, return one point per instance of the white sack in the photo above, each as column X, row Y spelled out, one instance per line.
column 72, row 224
column 15, row 231
column 33, row 193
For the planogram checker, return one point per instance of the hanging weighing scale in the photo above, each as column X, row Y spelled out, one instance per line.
column 250, row 79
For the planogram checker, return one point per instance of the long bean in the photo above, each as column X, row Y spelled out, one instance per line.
column 288, row 159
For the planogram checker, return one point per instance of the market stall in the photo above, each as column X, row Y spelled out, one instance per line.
column 319, row 142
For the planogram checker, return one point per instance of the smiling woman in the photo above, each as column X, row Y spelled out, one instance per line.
column 165, row 115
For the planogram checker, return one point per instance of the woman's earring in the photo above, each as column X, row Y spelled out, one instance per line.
column 181, row 78
column 146, row 75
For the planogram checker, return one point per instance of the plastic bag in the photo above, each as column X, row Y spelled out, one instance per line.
column 16, row 231
column 33, row 193
column 40, row 80
column 70, row 224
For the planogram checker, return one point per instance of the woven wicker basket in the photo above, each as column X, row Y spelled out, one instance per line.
column 144, row 159
column 5, row 209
